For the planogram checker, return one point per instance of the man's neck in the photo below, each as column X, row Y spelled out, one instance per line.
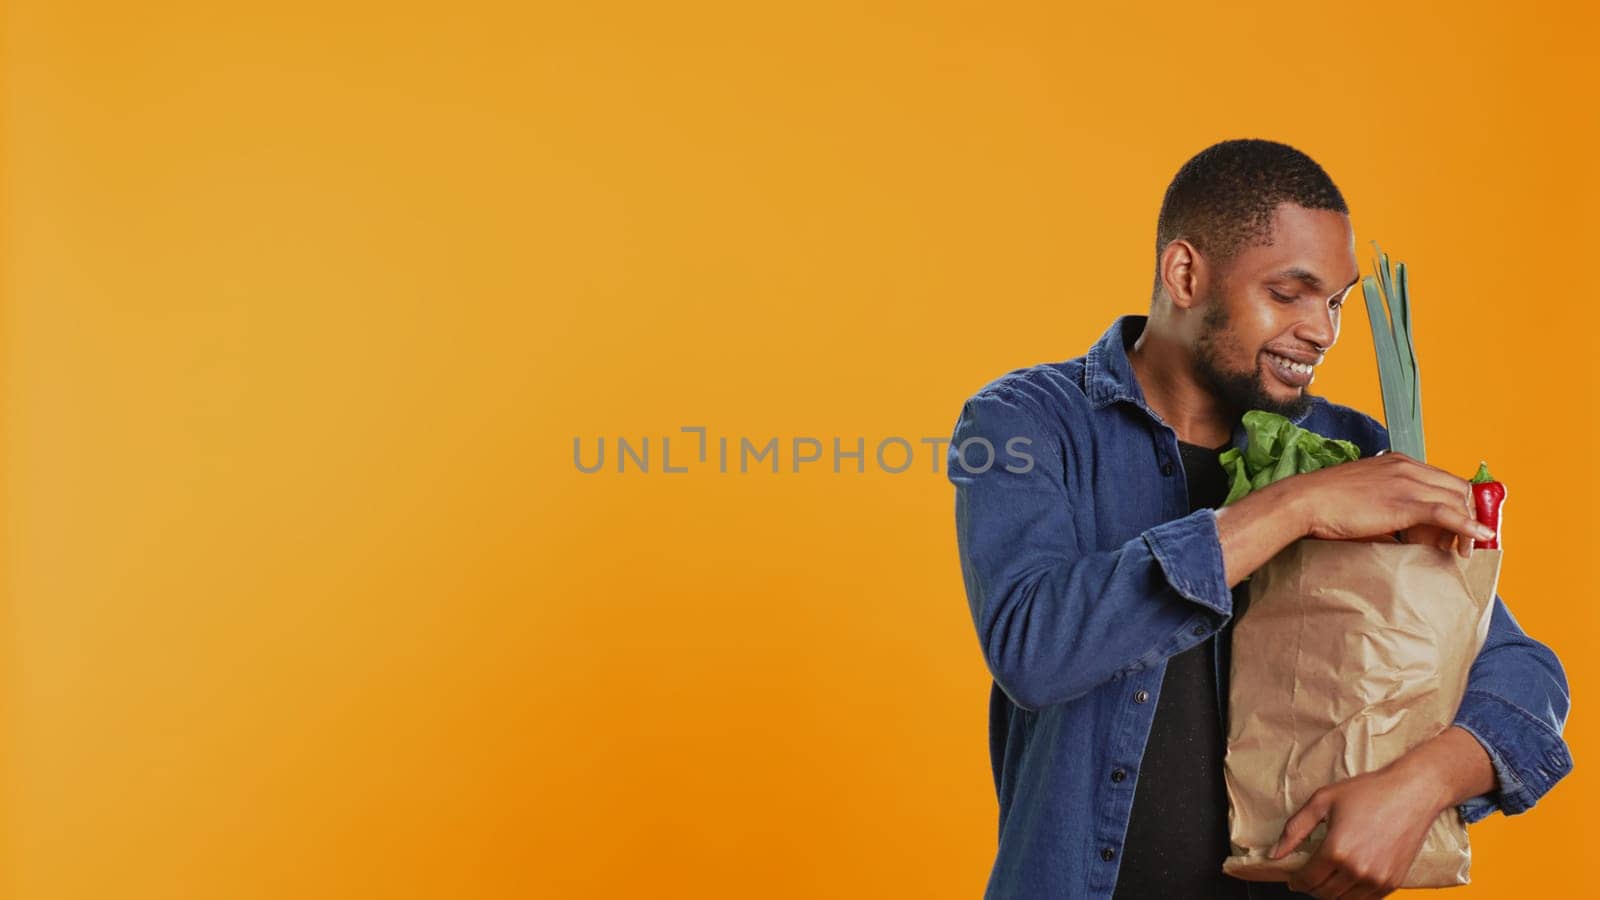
column 1165, row 372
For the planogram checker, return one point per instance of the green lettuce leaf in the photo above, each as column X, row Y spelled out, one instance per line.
column 1276, row 449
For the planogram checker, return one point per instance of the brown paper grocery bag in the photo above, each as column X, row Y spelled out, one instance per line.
column 1346, row 656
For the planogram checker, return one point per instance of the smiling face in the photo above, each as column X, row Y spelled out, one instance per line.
column 1272, row 312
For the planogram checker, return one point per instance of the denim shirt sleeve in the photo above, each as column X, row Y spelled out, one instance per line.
column 1516, row 705
column 1054, row 618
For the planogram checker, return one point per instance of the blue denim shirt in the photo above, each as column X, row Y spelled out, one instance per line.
column 1085, row 571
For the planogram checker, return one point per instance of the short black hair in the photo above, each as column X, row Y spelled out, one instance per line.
column 1222, row 199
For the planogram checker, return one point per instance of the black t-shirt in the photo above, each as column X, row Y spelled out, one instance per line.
column 1178, row 831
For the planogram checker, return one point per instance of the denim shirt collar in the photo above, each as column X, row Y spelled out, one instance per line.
column 1108, row 375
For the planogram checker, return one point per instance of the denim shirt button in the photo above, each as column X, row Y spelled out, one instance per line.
column 1141, row 696
column 1167, row 469
column 1107, row 854
column 1198, row 630
column 1118, row 775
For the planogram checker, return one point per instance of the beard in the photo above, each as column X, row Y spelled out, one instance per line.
column 1237, row 390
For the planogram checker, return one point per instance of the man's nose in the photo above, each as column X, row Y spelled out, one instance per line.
column 1321, row 329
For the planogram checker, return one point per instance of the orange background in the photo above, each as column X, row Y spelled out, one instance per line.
column 304, row 304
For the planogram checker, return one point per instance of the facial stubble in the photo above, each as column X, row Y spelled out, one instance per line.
column 1237, row 390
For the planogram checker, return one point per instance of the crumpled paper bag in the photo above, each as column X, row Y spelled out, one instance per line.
column 1347, row 655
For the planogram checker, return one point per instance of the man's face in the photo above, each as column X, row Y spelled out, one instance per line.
column 1273, row 312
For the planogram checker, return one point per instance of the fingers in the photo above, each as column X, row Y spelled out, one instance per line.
column 1338, row 886
column 1480, row 530
column 1368, row 888
column 1393, row 491
column 1431, row 474
column 1446, row 509
column 1315, row 876
column 1348, row 883
column 1329, row 874
column 1453, row 519
column 1301, row 823
column 1433, row 536
column 1456, row 490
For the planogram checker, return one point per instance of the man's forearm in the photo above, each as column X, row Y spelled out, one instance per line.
column 1255, row 527
column 1453, row 763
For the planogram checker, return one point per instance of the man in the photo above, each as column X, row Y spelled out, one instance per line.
column 1100, row 573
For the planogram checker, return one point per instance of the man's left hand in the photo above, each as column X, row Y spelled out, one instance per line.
column 1376, row 826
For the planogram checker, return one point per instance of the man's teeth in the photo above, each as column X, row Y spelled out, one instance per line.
column 1290, row 364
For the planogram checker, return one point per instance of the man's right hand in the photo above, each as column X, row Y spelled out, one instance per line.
column 1375, row 497
column 1385, row 494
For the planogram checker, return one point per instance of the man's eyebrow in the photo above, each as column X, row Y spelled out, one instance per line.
column 1310, row 280
column 1298, row 274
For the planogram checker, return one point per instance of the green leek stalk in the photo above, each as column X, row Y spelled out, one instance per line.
column 1389, row 314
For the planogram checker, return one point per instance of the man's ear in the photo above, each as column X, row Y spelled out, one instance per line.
column 1182, row 273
